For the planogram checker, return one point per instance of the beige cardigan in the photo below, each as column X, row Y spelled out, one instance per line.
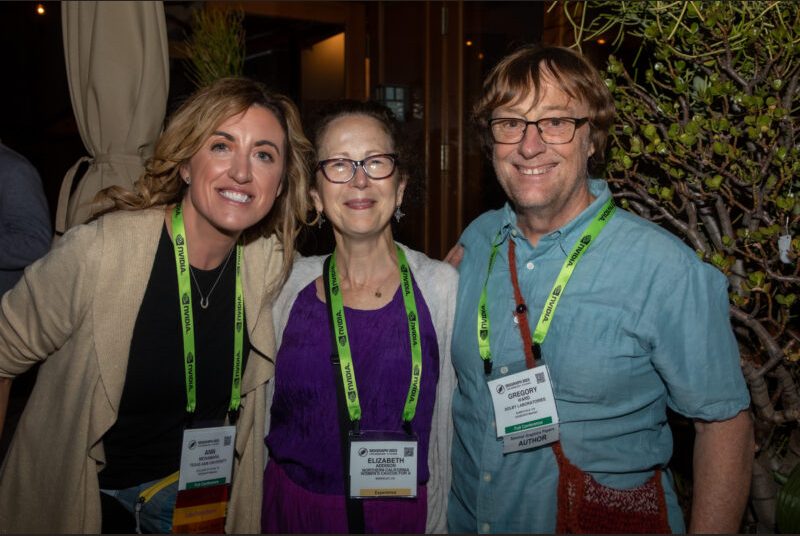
column 75, row 310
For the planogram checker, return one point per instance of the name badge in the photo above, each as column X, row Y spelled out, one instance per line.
column 207, row 457
column 383, row 465
column 525, row 409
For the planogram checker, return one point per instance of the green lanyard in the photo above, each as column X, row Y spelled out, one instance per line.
column 343, row 340
column 187, row 318
column 483, row 312
column 539, row 334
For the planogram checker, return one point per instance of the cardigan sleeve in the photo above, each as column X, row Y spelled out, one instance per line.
column 438, row 283
column 42, row 310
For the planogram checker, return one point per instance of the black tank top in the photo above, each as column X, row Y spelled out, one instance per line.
column 144, row 443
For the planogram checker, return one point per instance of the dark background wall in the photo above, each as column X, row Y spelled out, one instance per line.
column 36, row 117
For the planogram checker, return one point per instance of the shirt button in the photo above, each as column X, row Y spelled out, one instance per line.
column 516, row 320
column 487, row 477
column 529, row 266
column 513, row 233
column 503, row 370
column 485, row 527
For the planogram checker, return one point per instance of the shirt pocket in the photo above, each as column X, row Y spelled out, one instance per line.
column 594, row 354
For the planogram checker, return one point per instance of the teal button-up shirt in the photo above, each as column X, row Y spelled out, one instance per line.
column 643, row 324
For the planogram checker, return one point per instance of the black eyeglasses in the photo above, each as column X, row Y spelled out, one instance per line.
column 553, row 130
column 341, row 170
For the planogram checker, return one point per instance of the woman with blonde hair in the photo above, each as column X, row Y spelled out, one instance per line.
column 153, row 325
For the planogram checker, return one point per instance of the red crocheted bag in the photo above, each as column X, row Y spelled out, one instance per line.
column 586, row 506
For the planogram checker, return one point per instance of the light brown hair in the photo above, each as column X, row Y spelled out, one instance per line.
column 192, row 124
column 522, row 71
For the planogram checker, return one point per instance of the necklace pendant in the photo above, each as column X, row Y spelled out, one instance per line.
column 204, row 302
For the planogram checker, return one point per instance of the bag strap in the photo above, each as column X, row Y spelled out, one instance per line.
column 569, row 475
column 527, row 340
column 521, row 309
column 354, row 507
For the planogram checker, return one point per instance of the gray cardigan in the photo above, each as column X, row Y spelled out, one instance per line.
column 438, row 282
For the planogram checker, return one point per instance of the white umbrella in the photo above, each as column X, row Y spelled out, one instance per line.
column 118, row 71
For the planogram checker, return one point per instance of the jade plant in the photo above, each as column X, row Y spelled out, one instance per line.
column 707, row 144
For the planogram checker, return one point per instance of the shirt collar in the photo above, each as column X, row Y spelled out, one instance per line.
column 598, row 188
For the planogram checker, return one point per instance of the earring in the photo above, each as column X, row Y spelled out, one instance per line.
column 320, row 220
column 398, row 214
column 187, row 180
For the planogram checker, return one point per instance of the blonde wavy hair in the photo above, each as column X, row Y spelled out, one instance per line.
column 191, row 125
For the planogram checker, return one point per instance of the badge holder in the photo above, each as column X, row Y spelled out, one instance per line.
column 205, row 477
column 525, row 409
column 354, row 507
column 383, row 465
column 376, row 464
column 207, row 453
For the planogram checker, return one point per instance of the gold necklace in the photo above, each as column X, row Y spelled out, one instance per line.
column 377, row 292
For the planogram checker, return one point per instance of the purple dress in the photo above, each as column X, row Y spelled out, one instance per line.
column 304, row 480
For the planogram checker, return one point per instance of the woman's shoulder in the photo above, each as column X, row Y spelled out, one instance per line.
column 306, row 269
column 130, row 225
column 265, row 249
column 437, row 281
column 121, row 226
column 121, row 217
column 302, row 262
column 424, row 267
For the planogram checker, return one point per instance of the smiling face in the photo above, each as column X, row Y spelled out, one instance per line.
column 362, row 207
column 235, row 176
column 545, row 180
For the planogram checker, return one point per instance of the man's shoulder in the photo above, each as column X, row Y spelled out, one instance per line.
column 13, row 162
column 483, row 228
column 635, row 237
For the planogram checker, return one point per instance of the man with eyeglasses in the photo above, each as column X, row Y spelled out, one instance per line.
column 577, row 325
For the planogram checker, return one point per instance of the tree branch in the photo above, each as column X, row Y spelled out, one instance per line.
column 770, row 344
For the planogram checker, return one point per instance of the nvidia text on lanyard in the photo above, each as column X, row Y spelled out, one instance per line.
column 524, row 404
column 382, row 464
column 207, row 453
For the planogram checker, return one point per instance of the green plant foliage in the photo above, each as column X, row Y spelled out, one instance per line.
column 707, row 144
column 788, row 511
column 215, row 48
column 707, row 141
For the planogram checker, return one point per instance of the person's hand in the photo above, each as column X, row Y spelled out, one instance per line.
column 455, row 255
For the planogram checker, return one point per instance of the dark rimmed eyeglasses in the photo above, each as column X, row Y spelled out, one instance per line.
column 553, row 130
column 341, row 170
